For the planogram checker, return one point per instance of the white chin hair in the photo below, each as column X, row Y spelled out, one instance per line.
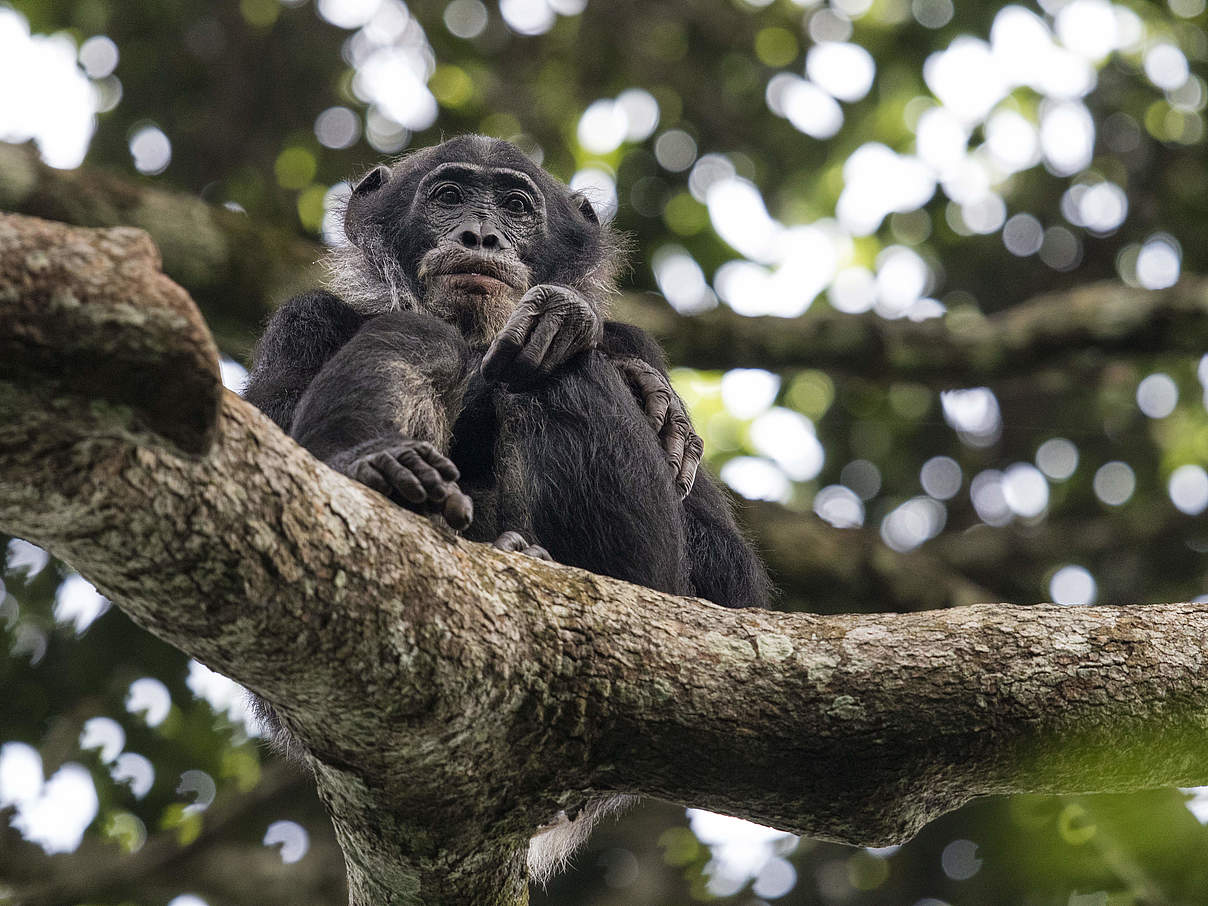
column 479, row 316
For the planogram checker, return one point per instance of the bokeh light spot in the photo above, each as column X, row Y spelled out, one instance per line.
column 960, row 860
column 840, row 506
column 1188, row 488
column 295, row 168
column 151, row 698
column 291, row 836
column 1114, row 483
column 776, row 46
column 99, row 56
column 1157, row 395
column 151, row 150
column 1072, row 586
column 466, row 18
column 941, row 477
column 1057, row 458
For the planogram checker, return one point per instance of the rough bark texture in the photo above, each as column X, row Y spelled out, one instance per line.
column 453, row 697
column 69, row 329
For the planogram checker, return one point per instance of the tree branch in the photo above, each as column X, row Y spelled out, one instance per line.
column 68, row 329
column 238, row 270
column 453, row 697
column 961, row 349
column 839, row 570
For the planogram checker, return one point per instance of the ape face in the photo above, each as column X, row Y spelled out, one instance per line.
column 464, row 229
column 484, row 221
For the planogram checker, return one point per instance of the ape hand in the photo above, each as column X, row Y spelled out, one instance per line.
column 667, row 416
column 549, row 326
column 412, row 473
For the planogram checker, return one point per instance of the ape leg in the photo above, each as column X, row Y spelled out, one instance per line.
column 580, row 468
column 382, row 409
column 723, row 567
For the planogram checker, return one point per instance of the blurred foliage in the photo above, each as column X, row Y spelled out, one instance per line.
column 243, row 89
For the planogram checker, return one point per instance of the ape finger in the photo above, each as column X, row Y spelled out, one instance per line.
column 510, row 541
column 694, row 449
column 367, row 475
column 515, row 542
column 458, row 510
column 435, row 488
column 399, row 477
column 674, row 436
column 650, row 387
column 534, row 358
column 438, row 460
column 656, row 403
column 508, row 342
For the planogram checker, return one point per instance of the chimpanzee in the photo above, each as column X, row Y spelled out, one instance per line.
column 465, row 369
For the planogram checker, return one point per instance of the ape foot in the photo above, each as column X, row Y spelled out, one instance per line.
column 514, row 541
column 412, row 473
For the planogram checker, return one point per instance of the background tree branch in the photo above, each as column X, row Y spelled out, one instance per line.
column 239, row 270
column 103, row 868
column 961, row 349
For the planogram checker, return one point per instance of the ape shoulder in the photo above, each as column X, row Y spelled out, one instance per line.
column 313, row 319
column 301, row 336
column 621, row 340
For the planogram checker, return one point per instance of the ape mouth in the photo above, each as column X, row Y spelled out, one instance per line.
column 477, row 284
column 473, row 272
column 472, row 267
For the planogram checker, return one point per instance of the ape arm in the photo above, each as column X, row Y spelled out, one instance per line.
column 621, row 339
column 723, row 568
column 640, row 359
column 303, row 334
column 347, row 405
column 381, row 410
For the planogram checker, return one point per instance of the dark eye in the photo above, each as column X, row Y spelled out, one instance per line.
column 517, row 203
column 448, row 194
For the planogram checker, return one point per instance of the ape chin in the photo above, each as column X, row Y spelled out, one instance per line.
column 468, row 372
column 474, row 292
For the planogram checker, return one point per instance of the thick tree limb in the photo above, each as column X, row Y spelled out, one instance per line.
column 454, row 697
column 69, row 329
column 958, row 350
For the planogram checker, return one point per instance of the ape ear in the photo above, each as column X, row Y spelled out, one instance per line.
column 373, row 180
column 354, row 211
column 585, row 208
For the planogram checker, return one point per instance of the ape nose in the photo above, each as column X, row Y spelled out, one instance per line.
column 478, row 234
